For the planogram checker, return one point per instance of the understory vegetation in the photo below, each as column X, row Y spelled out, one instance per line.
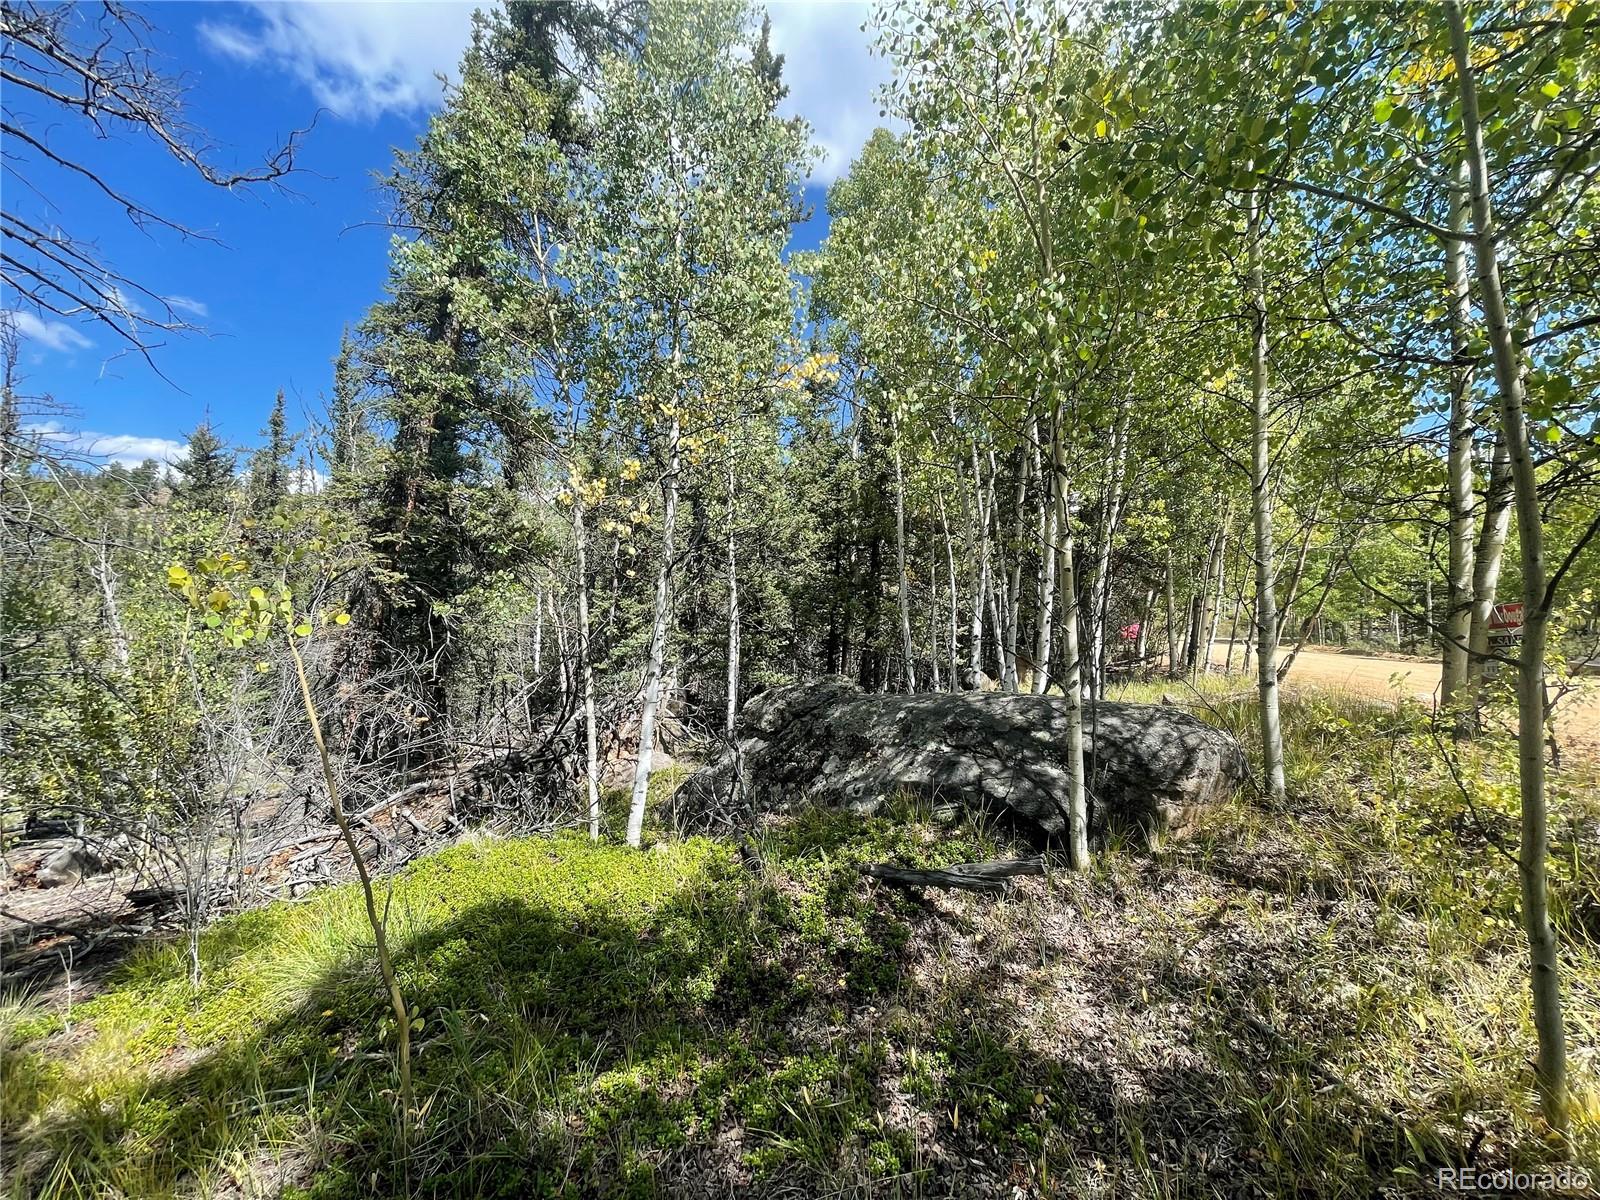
column 1152, row 351
column 1326, row 997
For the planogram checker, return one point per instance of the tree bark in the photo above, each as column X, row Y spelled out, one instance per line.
column 733, row 609
column 1100, row 596
column 1545, row 981
column 904, row 589
column 1219, row 593
column 933, row 620
column 1141, row 646
column 1072, row 683
column 1172, row 621
column 563, row 660
column 1459, row 596
column 1200, row 603
column 658, row 643
column 1261, row 509
column 978, row 532
column 1013, row 594
column 955, row 619
column 591, row 740
column 1047, row 587
column 1487, row 557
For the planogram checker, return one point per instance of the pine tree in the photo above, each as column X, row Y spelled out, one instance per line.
column 269, row 466
column 205, row 472
column 767, row 65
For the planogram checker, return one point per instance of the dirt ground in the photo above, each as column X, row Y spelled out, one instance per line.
column 1577, row 713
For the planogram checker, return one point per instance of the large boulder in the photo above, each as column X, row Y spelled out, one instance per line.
column 1149, row 768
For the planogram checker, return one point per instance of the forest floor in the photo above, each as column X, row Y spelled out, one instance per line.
column 1326, row 999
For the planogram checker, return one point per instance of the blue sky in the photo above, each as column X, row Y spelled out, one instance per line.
column 289, row 269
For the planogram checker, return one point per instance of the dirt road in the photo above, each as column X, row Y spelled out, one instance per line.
column 1577, row 717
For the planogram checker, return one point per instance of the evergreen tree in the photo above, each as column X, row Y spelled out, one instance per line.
column 767, row 65
column 269, row 466
column 205, row 472
column 348, row 436
column 557, row 43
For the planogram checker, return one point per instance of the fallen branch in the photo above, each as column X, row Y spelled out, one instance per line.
column 973, row 877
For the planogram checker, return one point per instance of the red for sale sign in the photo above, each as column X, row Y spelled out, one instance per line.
column 1506, row 618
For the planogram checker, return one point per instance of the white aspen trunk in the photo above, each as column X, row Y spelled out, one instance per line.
column 933, row 621
column 1172, row 620
column 955, row 619
column 1545, row 982
column 1014, row 592
column 1200, row 606
column 580, row 545
column 981, row 589
column 563, row 662
column 658, row 643
column 1047, row 584
column 1219, row 594
column 1261, row 509
column 1011, row 581
column 591, row 740
column 1459, row 598
column 1072, row 675
column 1141, row 645
column 1100, row 594
column 106, row 578
column 906, row 645
column 733, row 610
column 1487, row 557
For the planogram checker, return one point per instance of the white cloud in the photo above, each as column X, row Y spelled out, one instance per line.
column 365, row 59
column 195, row 308
column 307, row 481
column 56, row 335
column 360, row 60
column 131, row 450
column 832, row 77
column 125, row 448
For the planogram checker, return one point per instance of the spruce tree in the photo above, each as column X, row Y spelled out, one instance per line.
column 205, row 472
column 269, row 466
column 767, row 65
